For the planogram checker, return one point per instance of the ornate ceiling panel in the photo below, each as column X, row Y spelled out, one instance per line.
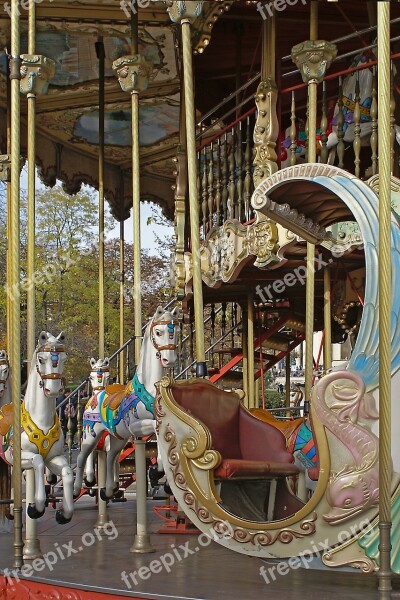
column 67, row 117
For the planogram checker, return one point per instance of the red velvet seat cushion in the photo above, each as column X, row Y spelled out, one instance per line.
column 219, row 411
column 253, row 469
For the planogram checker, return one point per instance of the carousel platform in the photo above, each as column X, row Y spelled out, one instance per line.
column 82, row 565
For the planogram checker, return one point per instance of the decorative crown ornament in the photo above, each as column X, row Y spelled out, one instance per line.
column 133, row 72
column 313, row 58
column 179, row 9
column 36, row 71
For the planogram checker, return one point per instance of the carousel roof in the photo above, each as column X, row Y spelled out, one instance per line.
column 67, row 117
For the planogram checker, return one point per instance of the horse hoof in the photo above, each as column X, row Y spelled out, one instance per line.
column 118, row 494
column 91, row 492
column 51, row 479
column 88, row 483
column 33, row 512
column 61, row 520
column 103, row 495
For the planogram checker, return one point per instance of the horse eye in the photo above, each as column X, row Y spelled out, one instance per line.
column 41, row 360
column 158, row 333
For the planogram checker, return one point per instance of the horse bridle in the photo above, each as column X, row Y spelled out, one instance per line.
column 171, row 334
column 4, row 361
column 99, row 388
column 54, row 351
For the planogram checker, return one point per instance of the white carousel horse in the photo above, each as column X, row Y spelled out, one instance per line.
column 128, row 411
column 42, row 442
column 99, row 379
column 5, row 390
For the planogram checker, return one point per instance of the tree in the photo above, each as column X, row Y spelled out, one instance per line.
column 66, row 275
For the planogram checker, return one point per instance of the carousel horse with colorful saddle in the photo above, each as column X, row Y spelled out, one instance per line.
column 99, row 378
column 42, row 442
column 128, row 411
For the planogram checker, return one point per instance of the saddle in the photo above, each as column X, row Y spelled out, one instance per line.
column 286, row 427
column 115, row 395
column 6, row 418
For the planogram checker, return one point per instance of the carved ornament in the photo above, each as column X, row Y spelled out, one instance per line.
column 36, row 72
column 179, row 9
column 133, row 73
column 180, row 203
column 266, row 131
column 227, row 249
column 313, row 58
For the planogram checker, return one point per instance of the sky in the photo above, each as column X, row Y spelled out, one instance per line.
column 147, row 232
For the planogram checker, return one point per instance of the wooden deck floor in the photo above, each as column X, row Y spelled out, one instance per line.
column 203, row 573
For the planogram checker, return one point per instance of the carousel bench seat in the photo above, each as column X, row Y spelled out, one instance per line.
column 250, row 449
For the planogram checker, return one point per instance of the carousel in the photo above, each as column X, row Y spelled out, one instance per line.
column 268, row 133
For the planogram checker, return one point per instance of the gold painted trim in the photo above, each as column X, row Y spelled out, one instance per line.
column 36, row 436
column 211, row 504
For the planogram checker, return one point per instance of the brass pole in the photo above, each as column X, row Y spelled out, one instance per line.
column 250, row 348
column 121, row 299
column 101, row 58
column 8, row 261
column 314, row 20
column 287, row 381
column 308, row 372
column 137, row 295
column 384, row 281
column 201, row 369
column 327, row 321
column 32, row 543
column 245, row 357
column 15, row 278
column 312, row 157
column 31, row 292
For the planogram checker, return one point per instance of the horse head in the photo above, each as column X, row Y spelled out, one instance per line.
column 49, row 358
column 100, row 374
column 4, row 371
column 164, row 333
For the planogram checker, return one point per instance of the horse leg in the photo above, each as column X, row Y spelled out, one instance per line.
column 36, row 508
column 88, row 446
column 156, row 472
column 89, row 470
column 50, row 477
column 59, row 466
column 116, row 446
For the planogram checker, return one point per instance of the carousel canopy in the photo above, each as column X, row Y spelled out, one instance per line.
column 68, row 116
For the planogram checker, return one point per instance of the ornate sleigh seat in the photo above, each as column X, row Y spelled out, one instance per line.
column 242, row 448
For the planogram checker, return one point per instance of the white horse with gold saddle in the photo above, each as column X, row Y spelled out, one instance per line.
column 42, row 442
